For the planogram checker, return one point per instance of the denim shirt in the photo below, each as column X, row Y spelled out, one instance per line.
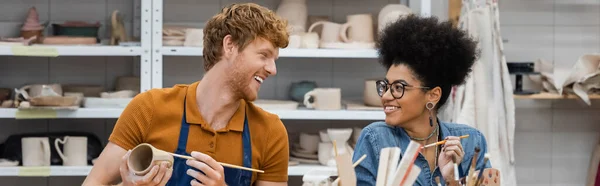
column 379, row 135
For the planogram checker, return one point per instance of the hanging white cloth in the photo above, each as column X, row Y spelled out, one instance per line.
column 486, row 100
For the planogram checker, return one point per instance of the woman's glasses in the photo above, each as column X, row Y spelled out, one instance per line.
column 397, row 87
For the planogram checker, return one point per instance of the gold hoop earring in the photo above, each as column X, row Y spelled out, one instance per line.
column 429, row 107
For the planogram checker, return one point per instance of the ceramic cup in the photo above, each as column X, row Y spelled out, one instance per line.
column 144, row 156
column 359, row 28
column 309, row 142
column 74, row 151
column 330, row 32
column 35, row 151
column 295, row 41
column 324, row 99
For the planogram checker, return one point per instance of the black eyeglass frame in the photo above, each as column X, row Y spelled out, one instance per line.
column 400, row 83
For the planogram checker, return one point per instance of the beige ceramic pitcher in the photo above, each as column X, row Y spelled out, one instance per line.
column 74, row 151
column 35, row 151
column 359, row 28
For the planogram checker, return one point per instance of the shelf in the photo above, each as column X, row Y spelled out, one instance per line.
column 48, row 114
column 552, row 96
column 71, row 50
column 296, row 170
column 116, row 112
column 299, row 53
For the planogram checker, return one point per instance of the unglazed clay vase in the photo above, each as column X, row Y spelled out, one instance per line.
column 341, row 137
column 74, row 151
column 295, row 12
column 370, row 95
column 391, row 13
column 32, row 26
column 144, row 156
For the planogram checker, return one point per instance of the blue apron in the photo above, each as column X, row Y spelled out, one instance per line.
column 232, row 176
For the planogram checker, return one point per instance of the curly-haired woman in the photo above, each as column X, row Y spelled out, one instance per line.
column 424, row 59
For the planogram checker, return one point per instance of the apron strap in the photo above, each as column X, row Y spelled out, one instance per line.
column 183, row 132
column 247, row 145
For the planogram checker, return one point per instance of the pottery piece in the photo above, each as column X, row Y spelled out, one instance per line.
column 78, row 95
column 32, row 26
column 117, row 31
column 295, row 41
column 276, row 104
column 69, row 40
column 118, row 94
column 370, row 95
column 59, row 101
column 324, row 136
column 316, row 18
column 194, row 37
column 324, row 99
column 144, row 156
column 341, row 136
column 75, row 150
column 19, row 41
column 78, row 29
column 330, row 32
column 309, row 142
column 35, row 151
column 295, row 12
column 128, row 83
column 8, row 163
column 310, row 40
column 91, row 102
column 358, row 28
column 324, row 152
column 391, row 13
column 7, row 104
column 37, row 90
column 4, row 94
column 87, row 90
column 299, row 89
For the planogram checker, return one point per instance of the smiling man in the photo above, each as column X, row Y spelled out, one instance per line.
column 214, row 119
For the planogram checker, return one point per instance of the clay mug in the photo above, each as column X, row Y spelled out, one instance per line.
column 310, row 40
column 36, row 90
column 309, row 142
column 358, row 28
column 35, row 151
column 330, row 32
column 74, row 151
column 370, row 95
column 324, row 99
column 144, row 156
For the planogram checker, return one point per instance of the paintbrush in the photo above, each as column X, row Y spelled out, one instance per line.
column 485, row 160
column 353, row 166
column 470, row 178
column 223, row 164
column 456, row 176
column 437, row 180
column 442, row 142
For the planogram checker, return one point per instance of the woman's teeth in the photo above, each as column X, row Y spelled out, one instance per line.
column 260, row 80
column 390, row 108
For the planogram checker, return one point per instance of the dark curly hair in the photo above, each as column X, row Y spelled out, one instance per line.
column 438, row 54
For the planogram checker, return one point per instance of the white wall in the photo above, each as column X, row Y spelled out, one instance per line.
column 553, row 139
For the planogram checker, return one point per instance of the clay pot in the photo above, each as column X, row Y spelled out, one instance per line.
column 295, row 12
column 31, row 33
column 144, row 156
column 370, row 95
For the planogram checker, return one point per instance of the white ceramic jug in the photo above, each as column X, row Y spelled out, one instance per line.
column 75, row 150
column 35, row 151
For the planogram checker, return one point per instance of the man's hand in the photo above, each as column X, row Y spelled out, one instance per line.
column 158, row 175
column 213, row 171
column 451, row 152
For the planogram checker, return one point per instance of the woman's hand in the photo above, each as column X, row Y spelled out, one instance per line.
column 213, row 171
column 451, row 152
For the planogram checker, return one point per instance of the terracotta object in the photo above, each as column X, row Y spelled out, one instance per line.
column 370, row 95
column 144, row 156
column 32, row 26
column 75, row 150
column 358, row 28
column 69, row 40
column 117, row 29
column 296, row 13
column 324, row 99
column 35, row 151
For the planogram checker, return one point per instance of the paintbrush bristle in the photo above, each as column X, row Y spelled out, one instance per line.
column 437, row 180
column 487, row 156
